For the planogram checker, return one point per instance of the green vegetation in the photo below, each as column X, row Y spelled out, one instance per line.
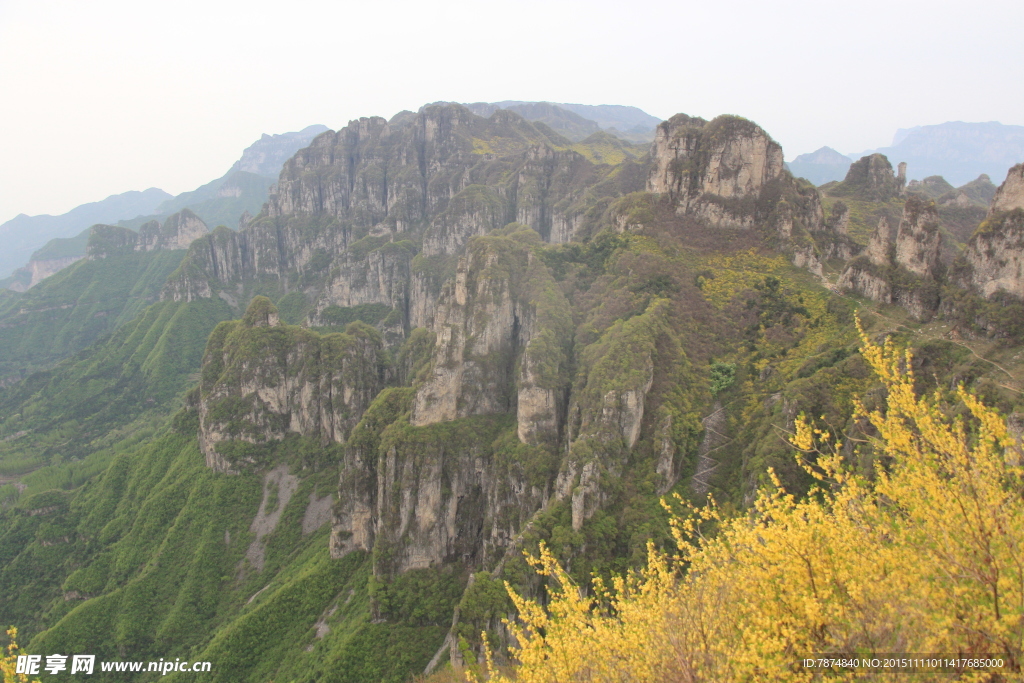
column 76, row 307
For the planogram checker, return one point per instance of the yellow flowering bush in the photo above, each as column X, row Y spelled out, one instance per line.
column 9, row 660
column 923, row 556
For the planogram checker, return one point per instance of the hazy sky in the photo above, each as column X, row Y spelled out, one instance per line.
column 105, row 96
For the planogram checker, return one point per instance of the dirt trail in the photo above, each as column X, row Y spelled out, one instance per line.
column 714, row 439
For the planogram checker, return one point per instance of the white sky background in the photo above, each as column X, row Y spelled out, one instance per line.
column 105, row 96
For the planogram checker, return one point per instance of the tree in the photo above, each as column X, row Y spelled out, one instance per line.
column 922, row 555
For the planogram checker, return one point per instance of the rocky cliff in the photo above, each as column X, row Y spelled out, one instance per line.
column 427, row 182
column 178, row 231
column 994, row 258
column 904, row 270
column 38, row 270
column 729, row 173
column 262, row 380
column 871, row 178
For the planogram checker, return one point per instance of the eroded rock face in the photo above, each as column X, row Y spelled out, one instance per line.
column 703, row 165
column 871, row 178
column 904, row 271
column 918, row 239
column 729, row 173
column 433, row 491
column 688, row 162
column 1010, row 194
column 502, row 311
column 994, row 258
column 39, row 270
column 879, row 243
column 177, row 232
column 435, row 178
column 262, row 380
column 995, row 255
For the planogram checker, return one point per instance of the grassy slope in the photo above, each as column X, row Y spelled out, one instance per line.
column 77, row 306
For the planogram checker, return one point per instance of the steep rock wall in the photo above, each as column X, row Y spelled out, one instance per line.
column 262, row 380
column 503, row 333
column 178, row 232
column 904, row 271
column 729, row 173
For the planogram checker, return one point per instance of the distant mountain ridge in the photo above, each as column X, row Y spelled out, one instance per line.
column 23, row 234
column 267, row 155
column 821, row 166
column 958, row 151
column 221, row 201
column 579, row 121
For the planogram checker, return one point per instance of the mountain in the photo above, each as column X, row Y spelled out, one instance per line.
column 23, row 234
column 267, row 155
column 120, row 274
column 560, row 120
column 821, row 166
column 956, row 150
column 318, row 447
column 243, row 189
column 577, row 121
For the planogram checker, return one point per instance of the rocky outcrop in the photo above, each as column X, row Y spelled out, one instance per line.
column 608, row 408
column 708, row 169
column 871, row 178
column 262, row 380
column 503, row 333
column 995, row 255
column 729, row 173
column 39, row 270
column 1010, row 194
column 880, row 244
column 110, row 240
column 433, row 490
column 994, row 258
column 918, row 239
column 435, row 178
column 177, row 232
column 904, row 271
column 266, row 156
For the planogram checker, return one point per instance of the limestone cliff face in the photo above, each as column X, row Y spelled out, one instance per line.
column 432, row 490
column 729, row 173
column 430, row 180
column 994, row 258
column 398, row 176
column 39, row 270
column 904, row 271
column 1010, row 194
column 918, row 239
column 503, row 332
column 262, row 380
column 702, row 166
column 995, row 255
column 177, row 232
column 880, row 243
